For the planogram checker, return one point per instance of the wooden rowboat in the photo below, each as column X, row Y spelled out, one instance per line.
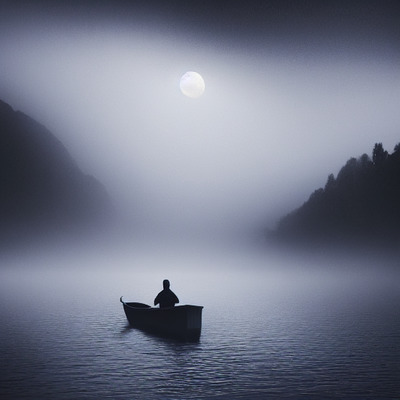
column 180, row 322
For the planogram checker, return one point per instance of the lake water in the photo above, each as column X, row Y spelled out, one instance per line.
column 275, row 325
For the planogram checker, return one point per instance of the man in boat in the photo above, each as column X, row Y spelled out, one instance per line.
column 166, row 298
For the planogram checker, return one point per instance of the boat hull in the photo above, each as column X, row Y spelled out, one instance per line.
column 180, row 322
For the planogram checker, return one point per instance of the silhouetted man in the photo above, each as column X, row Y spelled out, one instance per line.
column 166, row 298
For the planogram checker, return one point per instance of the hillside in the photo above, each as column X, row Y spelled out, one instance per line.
column 41, row 187
column 361, row 204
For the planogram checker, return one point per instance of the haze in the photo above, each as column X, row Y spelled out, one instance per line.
column 279, row 114
column 293, row 90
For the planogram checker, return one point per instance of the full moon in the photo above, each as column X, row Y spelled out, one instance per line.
column 192, row 84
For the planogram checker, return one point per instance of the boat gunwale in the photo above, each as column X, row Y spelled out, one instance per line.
column 150, row 308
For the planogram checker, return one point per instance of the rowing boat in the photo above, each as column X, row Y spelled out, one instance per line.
column 180, row 322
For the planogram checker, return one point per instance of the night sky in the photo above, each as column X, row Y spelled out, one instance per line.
column 293, row 90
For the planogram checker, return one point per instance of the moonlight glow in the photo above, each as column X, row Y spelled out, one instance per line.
column 192, row 84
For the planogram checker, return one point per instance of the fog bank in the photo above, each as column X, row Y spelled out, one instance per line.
column 276, row 119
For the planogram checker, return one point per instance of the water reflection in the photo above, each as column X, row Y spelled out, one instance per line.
column 273, row 326
column 126, row 329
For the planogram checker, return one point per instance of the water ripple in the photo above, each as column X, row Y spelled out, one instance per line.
column 302, row 346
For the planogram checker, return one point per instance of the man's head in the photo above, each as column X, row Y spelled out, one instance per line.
column 166, row 284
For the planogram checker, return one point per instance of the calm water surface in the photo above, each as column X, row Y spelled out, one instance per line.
column 274, row 326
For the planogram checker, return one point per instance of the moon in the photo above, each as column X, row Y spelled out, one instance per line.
column 192, row 84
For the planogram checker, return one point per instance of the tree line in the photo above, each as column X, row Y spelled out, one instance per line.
column 361, row 202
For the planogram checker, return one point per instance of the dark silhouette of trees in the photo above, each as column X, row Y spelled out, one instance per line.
column 361, row 203
column 379, row 155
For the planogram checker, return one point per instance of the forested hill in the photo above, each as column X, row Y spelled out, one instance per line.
column 41, row 187
column 361, row 204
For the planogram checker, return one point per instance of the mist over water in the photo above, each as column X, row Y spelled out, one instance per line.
column 274, row 324
column 194, row 182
